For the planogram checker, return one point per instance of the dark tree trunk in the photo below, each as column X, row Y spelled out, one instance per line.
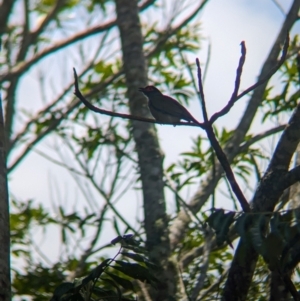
column 149, row 153
column 5, row 293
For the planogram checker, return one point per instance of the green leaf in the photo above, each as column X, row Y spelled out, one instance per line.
column 126, row 284
column 135, row 271
column 134, row 256
column 62, row 289
column 111, row 282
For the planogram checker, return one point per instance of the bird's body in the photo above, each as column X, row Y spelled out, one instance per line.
column 164, row 108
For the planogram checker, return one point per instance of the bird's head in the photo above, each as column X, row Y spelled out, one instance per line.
column 150, row 90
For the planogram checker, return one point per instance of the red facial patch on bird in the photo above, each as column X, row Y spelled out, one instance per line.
column 149, row 88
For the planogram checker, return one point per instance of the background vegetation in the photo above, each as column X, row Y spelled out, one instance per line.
column 194, row 251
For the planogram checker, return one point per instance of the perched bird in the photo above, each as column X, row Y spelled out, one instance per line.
column 164, row 108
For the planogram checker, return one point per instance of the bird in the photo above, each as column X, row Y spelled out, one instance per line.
column 165, row 109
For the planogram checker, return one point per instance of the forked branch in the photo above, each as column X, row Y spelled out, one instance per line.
column 218, row 150
column 235, row 96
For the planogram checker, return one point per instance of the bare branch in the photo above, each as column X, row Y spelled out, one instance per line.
column 100, row 191
column 200, row 84
column 169, row 32
column 233, row 98
column 24, row 66
column 220, row 153
column 278, row 5
column 261, row 136
column 271, row 72
column 124, row 116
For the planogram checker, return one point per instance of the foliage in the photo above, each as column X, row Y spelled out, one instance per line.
column 102, row 282
column 100, row 155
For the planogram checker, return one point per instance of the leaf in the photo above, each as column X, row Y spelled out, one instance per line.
column 215, row 219
column 116, row 240
column 115, row 224
column 271, row 250
column 135, row 271
column 111, row 282
column 96, row 273
column 222, row 234
column 257, row 231
column 134, row 256
column 62, row 289
column 221, row 222
column 126, row 284
column 105, row 294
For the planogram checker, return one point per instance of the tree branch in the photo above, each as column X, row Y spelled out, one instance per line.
column 24, row 66
column 120, row 115
column 243, row 147
column 290, row 178
column 235, row 96
column 287, row 144
column 231, row 149
column 218, row 150
column 5, row 11
column 171, row 31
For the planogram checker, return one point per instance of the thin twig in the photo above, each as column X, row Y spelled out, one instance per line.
column 234, row 95
column 204, row 111
column 25, row 65
column 244, row 147
column 206, row 66
column 279, row 7
column 234, row 98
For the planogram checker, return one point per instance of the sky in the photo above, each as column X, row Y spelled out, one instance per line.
column 225, row 24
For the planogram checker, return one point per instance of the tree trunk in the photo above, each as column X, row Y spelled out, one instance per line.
column 150, row 156
column 5, row 293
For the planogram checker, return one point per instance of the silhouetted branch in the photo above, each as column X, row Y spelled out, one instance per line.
column 120, row 115
column 290, row 178
column 202, row 98
column 219, row 152
column 291, row 287
column 235, row 96
column 24, row 66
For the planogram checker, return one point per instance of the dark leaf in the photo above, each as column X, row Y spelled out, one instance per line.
column 126, row 284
